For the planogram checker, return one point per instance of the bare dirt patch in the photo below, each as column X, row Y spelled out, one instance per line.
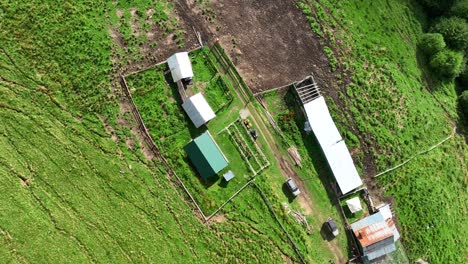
column 219, row 218
column 272, row 45
column 270, row 42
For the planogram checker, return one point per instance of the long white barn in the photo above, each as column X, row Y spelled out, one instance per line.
column 329, row 138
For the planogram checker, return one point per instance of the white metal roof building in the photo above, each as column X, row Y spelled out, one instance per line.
column 354, row 205
column 198, row 110
column 330, row 140
column 180, row 66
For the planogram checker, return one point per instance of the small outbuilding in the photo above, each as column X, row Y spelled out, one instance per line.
column 228, row 176
column 354, row 205
column 206, row 155
column 376, row 235
column 180, row 66
column 198, row 110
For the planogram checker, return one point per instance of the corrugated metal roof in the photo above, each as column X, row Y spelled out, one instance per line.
column 371, row 219
column 373, row 233
column 376, row 234
column 387, row 214
column 180, row 66
column 198, row 110
column 372, row 229
column 206, row 155
column 387, row 246
column 333, row 145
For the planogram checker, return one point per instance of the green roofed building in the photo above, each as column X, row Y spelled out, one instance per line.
column 206, row 155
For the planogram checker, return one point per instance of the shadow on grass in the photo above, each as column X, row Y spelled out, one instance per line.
column 288, row 193
column 326, row 233
column 207, row 183
column 223, row 183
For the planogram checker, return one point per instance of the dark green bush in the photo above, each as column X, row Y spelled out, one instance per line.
column 463, row 100
column 447, row 63
column 431, row 43
column 463, row 78
column 436, row 7
column 460, row 9
column 455, row 32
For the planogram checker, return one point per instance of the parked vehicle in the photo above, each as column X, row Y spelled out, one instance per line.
column 254, row 133
column 332, row 227
column 293, row 187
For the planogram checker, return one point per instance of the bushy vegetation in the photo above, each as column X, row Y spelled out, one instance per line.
column 455, row 32
column 387, row 104
column 431, row 43
column 464, row 102
column 460, row 9
column 436, row 7
column 447, row 64
column 463, row 78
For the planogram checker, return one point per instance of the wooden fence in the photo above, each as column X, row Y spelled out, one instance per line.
column 154, row 148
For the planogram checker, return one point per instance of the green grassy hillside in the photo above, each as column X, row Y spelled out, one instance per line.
column 389, row 100
column 68, row 192
column 74, row 185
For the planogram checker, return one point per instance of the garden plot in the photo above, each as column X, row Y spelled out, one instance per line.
column 249, row 150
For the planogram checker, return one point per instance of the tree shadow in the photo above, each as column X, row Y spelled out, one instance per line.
column 462, row 124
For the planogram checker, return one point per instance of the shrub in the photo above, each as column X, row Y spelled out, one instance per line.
column 455, row 32
column 431, row 43
column 460, row 9
column 447, row 63
column 463, row 100
column 436, row 7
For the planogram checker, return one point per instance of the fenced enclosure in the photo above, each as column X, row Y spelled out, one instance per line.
column 247, row 147
column 154, row 95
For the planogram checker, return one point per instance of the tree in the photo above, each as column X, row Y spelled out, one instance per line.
column 436, row 7
column 431, row 43
column 447, row 63
column 460, row 9
column 463, row 100
column 455, row 32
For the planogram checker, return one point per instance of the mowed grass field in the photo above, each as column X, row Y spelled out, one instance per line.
column 385, row 96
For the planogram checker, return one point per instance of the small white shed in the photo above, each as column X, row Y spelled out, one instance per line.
column 180, row 66
column 354, row 205
column 198, row 110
